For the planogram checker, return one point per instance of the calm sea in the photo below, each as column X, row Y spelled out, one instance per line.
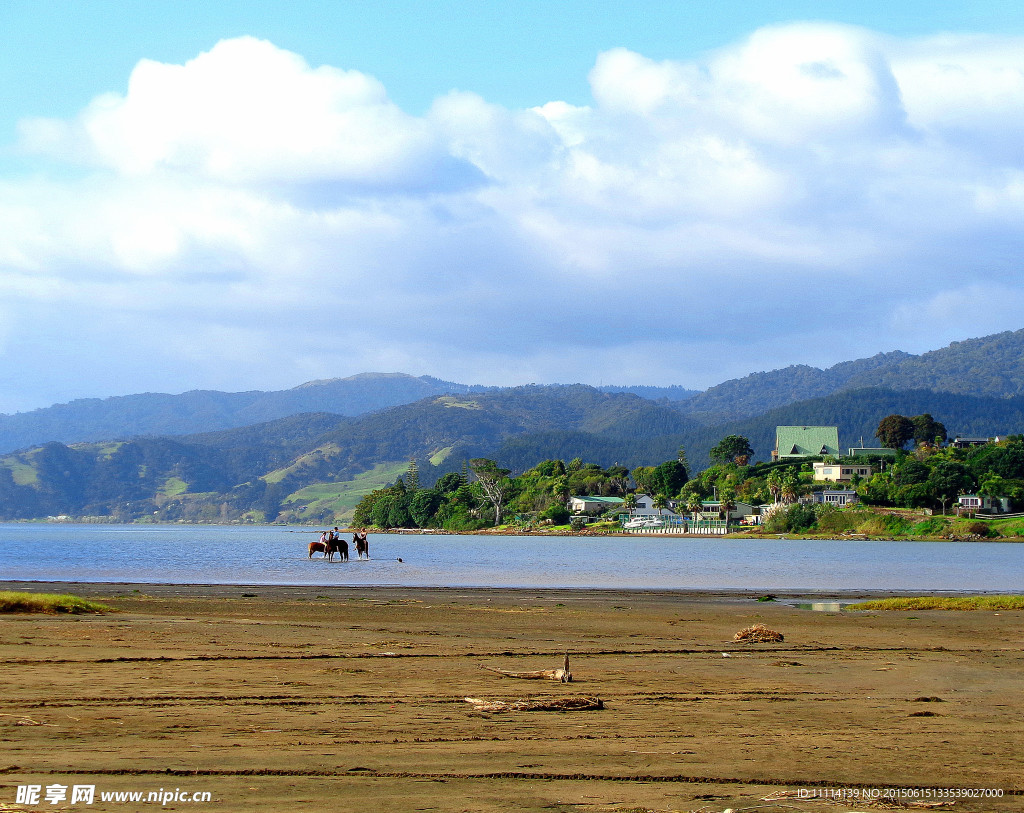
column 205, row 554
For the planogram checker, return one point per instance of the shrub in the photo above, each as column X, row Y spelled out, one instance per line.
column 12, row 602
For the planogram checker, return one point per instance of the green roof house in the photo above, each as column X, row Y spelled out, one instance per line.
column 805, row 441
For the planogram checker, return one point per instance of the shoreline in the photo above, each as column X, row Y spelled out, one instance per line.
column 307, row 591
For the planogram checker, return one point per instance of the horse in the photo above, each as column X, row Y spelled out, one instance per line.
column 315, row 547
column 362, row 545
column 339, row 546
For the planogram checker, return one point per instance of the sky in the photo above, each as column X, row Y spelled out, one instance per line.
column 250, row 195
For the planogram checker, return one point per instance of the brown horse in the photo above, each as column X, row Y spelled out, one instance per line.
column 315, row 547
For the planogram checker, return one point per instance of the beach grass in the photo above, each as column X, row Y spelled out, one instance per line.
column 943, row 603
column 13, row 602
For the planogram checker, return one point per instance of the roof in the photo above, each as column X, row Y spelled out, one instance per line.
column 804, row 441
column 610, row 500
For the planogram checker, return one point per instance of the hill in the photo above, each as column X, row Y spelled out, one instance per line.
column 308, row 465
column 91, row 419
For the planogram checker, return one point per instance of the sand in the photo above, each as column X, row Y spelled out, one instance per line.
column 326, row 698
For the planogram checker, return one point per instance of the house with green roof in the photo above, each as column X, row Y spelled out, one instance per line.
column 805, row 441
column 593, row 505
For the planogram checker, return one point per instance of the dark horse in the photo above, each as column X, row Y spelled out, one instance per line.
column 362, row 544
column 338, row 546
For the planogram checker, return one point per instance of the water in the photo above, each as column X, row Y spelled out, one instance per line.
column 172, row 554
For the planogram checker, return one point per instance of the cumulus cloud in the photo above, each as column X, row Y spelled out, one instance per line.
column 248, row 220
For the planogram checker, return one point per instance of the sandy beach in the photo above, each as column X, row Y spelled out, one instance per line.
column 329, row 698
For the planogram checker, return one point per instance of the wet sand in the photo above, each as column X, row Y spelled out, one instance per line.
column 327, row 698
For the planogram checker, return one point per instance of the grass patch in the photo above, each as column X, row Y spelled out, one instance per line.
column 12, row 602
column 173, row 486
column 341, row 498
column 943, row 603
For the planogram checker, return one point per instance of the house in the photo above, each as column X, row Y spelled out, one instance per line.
column 840, row 472
column 645, row 508
column 593, row 505
column 836, row 496
column 870, row 451
column 963, row 443
column 982, row 504
column 805, row 441
column 712, row 509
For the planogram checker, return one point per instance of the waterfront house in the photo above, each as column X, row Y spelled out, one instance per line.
column 836, row 496
column 593, row 505
column 982, row 504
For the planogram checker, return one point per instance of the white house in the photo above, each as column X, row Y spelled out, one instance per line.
column 645, row 508
column 836, row 496
column 983, row 504
column 840, row 472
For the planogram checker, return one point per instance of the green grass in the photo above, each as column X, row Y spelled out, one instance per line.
column 23, row 474
column 173, row 486
column 451, row 401
column 440, row 456
column 12, row 602
column 343, row 497
column 943, row 603
column 317, row 454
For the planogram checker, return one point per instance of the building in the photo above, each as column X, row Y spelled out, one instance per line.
column 982, row 504
column 593, row 505
column 645, row 508
column 870, row 451
column 836, row 496
column 712, row 509
column 805, row 441
column 840, row 472
column 963, row 443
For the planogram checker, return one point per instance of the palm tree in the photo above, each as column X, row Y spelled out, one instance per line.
column 660, row 502
column 629, row 503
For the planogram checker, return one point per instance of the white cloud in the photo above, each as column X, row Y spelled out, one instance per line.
column 247, row 220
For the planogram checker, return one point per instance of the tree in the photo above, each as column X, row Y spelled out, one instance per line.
column 927, row 429
column 947, row 480
column 660, row 502
column 894, row 431
column 727, row 501
column 629, row 503
column 669, row 477
column 774, row 483
column 412, row 477
column 681, row 457
column 643, row 476
column 735, row 448
column 494, row 481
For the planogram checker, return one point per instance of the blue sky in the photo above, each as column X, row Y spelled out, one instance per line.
column 242, row 195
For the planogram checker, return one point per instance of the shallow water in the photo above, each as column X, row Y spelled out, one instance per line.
column 207, row 554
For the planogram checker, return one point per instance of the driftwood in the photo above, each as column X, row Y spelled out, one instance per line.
column 555, row 704
column 758, row 634
column 562, row 675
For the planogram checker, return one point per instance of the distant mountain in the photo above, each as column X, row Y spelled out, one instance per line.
column 126, row 416
column 291, row 463
column 671, row 393
column 990, row 366
column 758, row 392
